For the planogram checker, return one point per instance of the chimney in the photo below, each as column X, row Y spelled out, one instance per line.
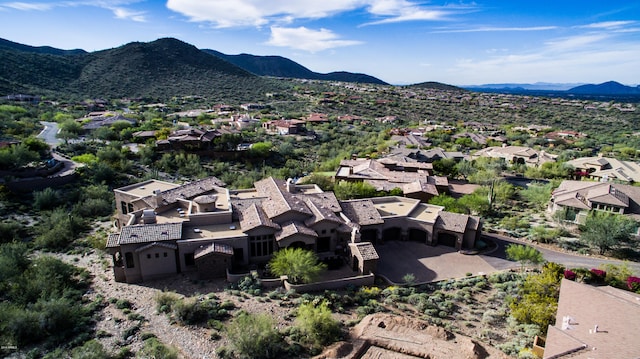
column 291, row 187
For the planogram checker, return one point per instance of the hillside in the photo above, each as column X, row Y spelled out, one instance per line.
column 606, row 88
column 10, row 45
column 436, row 86
column 279, row 66
column 160, row 69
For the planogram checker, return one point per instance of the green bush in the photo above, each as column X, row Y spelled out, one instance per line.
column 153, row 349
column 255, row 336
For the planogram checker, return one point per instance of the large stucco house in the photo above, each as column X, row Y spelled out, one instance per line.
column 581, row 197
column 203, row 227
column 516, row 154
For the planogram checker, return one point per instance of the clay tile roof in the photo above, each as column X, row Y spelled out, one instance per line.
column 254, row 217
column 320, row 213
column 112, row 240
column 420, row 185
column 156, row 244
column 362, row 212
column 293, row 227
column 218, row 248
column 280, row 201
column 191, row 189
column 150, row 233
column 367, row 250
column 326, row 199
column 453, row 222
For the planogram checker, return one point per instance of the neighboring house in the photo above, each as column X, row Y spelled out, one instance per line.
column 598, row 322
column 430, row 155
column 411, row 140
column 190, row 139
column 241, row 122
column 584, row 196
column 413, row 178
column 606, row 169
column 517, row 154
column 203, row 227
column 95, row 122
column 317, row 117
column 284, row 127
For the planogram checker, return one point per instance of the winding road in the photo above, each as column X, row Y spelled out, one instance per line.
column 497, row 258
column 48, row 134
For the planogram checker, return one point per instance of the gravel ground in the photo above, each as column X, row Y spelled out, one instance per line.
column 191, row 341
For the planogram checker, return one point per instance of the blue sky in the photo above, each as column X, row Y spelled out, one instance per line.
column 398, row 41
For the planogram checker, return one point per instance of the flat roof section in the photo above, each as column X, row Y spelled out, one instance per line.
column 394, row 206
column 426, row 212
column 214, row 231
column 146, row 188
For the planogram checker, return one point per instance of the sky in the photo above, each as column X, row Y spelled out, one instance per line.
column 398, row 41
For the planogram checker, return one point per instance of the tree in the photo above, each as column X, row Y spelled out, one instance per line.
column 524, row 254
column 537, row 299
column 446, row 167
column 254, row 336
column 449, row 203
column 317, row 325
column 606, row 231
column 299, row 265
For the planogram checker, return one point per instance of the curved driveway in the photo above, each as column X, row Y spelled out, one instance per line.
column 429, row 264
column 48, row 134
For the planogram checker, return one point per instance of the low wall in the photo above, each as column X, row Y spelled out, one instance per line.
column 359, row 281
column 265, row 282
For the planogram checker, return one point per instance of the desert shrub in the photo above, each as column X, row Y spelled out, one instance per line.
column 317, row 324
column 46, row 199
column 255, row 336
column 153, row 348
column 123, row 304
column 90, row 350
column 165, row 301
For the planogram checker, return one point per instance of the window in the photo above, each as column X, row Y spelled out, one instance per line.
column 148, row 255
column 189, row 260
column 261, row 245
column 165, row 254
column 157, row 255
column 130, row 207
column 123, row 207
column 128, row 257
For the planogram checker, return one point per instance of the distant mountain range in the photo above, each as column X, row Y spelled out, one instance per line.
column 279, row 66
column 159, row 69
column 168, row 67
column 610, row 88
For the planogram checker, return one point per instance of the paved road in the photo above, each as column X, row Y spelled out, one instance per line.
column 48, row 134
column 498, row 260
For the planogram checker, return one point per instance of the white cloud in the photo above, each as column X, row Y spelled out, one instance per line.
column 122, row 13
column 497, row 29
column 610, row 25
column 569, row 59
column 302, row 38
column 112, row 5
column 27, row 6
column 225, row 13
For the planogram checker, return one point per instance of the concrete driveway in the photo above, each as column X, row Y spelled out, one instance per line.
column 428, row 263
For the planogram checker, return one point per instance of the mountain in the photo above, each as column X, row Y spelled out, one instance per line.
column 436, row 86
column 160, row 69
column 6, row 44
column 606, row 88
column 538, row 86
column 278, row 66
